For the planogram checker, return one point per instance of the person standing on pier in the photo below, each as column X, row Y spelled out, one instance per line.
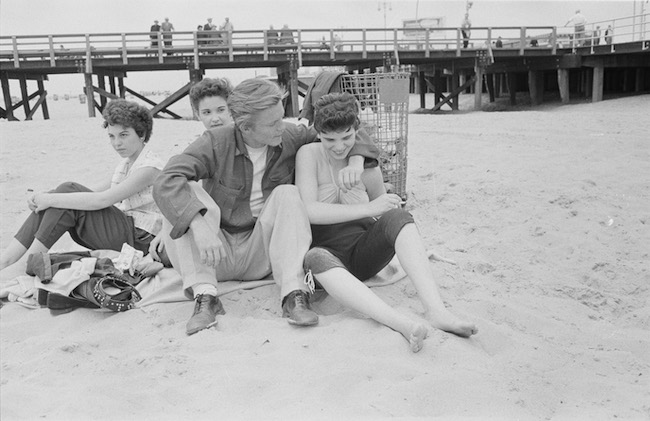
column 465, row 26
column 609, row 33
column 579, row 21
column 227, row 28
column 167, row 29
column 154, row 37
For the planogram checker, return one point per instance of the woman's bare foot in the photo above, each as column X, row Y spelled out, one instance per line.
column 13, row 271
column 416, row 336
column 449, row 323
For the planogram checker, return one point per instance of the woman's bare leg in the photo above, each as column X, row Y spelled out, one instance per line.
column 415, row 261
column 351, row 292
column 19, row 267
column 14, row 251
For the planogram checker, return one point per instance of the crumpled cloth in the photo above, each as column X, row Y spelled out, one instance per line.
column 65, row 280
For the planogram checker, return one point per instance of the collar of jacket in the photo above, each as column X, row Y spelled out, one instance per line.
column 241, row 146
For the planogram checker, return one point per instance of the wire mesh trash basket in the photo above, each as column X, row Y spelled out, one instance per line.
column 384, row 101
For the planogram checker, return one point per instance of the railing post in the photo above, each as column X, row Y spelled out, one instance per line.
column 332, row 46
column 125, row 56
column 51, row 42
column 554, row 40
column 14, row 42
column 299, row 48
column 489, row 37
column 266, row 45
column 364, row 51
column 522, row 40
column 395, row 45
column 229, row 39
column 160, row 47
column 457, row 42
column 197, row 66
column 89, row 64
column 427, row 50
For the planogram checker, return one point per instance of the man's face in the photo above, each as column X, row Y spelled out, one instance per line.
column 265, row 128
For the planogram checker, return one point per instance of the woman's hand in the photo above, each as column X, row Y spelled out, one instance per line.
column 384, row 203
column 39, row 202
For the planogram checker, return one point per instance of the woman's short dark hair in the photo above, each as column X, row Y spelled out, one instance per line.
column 209, row 87
column 336, row 112
column 129, row 114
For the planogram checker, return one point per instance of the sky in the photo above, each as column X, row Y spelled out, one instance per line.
column 38, row 17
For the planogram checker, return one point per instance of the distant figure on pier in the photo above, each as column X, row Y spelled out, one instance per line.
column 596, row 35
column 209, row 26
column 167, row 29
column 465, row 26
column 286, row 35
column 338, row 44
column 272, row 36
column 609, row 33
column 154, row 37
column 579, row 21
column 499, row 43
column 227, row 28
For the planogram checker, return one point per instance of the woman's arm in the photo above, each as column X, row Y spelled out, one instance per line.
column 329, row 213
column 134, row 183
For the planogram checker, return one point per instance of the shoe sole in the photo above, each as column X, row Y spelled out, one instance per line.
column 192, row 332
column 295, row 323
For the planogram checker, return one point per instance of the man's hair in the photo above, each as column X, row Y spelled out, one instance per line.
column 129, row 114
column 209, row 87
column 250, row 97
column 336, row 112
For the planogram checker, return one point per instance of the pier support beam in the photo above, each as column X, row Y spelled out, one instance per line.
column 512, row 87
column 288, row 77
column 422, row 89
column 597, row 85
column 536, row 86
column 30, row 110
column 478, row 86
column 455, row 84
column 563, row 84
column 489, row 82
column 90, row 94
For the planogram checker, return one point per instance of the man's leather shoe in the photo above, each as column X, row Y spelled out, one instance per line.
column 296, row 307
column 205, row 313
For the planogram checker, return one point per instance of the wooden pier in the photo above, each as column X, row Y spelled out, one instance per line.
column 435, row 57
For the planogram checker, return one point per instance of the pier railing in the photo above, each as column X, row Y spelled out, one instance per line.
column 197, row 46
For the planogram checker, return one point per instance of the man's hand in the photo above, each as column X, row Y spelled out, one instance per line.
column 211, row 249
column 156, row 246
column 350, row 176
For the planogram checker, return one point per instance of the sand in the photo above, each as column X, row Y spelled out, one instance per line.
column 546, row 211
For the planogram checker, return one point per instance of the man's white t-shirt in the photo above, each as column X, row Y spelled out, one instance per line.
column 258, row 158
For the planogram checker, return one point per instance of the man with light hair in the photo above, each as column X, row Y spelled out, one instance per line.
column 579, row 21
column 247, row 221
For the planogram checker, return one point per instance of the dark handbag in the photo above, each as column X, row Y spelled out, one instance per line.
column 125, row 299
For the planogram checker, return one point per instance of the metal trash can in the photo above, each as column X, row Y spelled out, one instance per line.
column 384, row 99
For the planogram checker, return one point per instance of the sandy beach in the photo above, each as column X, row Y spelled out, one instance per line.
column 546, row 211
